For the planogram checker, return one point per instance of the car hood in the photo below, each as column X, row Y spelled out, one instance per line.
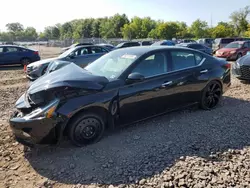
column 227, row 49
column 70, row 75
column 245, row 60
column 44, row 61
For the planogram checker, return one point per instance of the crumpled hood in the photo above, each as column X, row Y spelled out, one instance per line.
column 44, row 61
column 245, row 60
column 69, row 76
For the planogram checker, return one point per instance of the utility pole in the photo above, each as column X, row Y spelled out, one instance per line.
column 211, row 20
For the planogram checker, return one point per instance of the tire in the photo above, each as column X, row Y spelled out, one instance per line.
column 239, row 56
column 81, row 129
column 211, row 96
column 25, row 61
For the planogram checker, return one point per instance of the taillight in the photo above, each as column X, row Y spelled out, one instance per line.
column 227, row 65
column 36, row 52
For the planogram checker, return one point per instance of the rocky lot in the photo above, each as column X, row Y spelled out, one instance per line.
column 188, row 148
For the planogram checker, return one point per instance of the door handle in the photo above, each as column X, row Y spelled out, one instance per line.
column 167, row 84
column 204, row 71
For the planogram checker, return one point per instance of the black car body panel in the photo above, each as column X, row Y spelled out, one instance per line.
column 79, row 90
column 241, row 68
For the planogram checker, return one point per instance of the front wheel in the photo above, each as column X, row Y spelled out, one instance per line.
column 211, row 95
column 86, row 129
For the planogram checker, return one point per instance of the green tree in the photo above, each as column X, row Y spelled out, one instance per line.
column 95, row 28
column 30, row 34
column 138, row 28
column 15, row 30
column 199, row 29
column 223, row 29
column 247, row 33
column 239, row 20
column 66, row 31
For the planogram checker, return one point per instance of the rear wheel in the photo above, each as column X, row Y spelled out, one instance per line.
column 211, row 95
column 25, row 61
column 86, row 129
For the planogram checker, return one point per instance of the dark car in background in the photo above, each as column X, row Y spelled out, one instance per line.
column 199, row 47
column 127, row 44
column 187, row 41
column 234, row 50
column 219, row 43
column 11, row 54
column 108, row 46
column 121, row 87
column 206, row 41
column 75, row 45
column 164, row 43
column 146, row 43
column 81, row 55
column 241, row 68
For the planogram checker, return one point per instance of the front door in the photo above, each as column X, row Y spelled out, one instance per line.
column 151, row 96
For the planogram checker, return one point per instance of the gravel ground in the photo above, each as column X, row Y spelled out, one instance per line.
column 188, row 148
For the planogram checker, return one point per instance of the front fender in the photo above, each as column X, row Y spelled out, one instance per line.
column 100, row 99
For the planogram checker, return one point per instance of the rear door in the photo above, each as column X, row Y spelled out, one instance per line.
column 187, row 69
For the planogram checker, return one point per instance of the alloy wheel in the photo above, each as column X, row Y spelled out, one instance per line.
column 211, row 96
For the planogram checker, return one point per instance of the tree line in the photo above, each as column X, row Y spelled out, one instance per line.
column 119, row 26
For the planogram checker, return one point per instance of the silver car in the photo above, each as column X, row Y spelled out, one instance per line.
column 81, row 55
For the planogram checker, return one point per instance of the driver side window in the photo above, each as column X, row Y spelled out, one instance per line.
column 152, row 65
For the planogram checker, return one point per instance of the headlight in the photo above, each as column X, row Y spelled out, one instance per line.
column 236, row 64
column 35, row 67
column 46, row 112
column 232, row 52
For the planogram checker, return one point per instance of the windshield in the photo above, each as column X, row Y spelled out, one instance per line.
column 111, row 65
column 234, row 45
column 66, row 53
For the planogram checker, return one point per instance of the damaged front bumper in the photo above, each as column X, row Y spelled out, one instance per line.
column 41, row 126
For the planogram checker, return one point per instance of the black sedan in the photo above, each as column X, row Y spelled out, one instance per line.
column 241, row 68
column 121, row 87
column 199, row 47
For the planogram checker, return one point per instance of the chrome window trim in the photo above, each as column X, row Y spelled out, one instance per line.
column 202, row 61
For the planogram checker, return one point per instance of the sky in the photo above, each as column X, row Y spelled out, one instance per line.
column 42, row 13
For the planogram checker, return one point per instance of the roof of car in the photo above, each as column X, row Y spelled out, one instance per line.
column 139, row 50
column 9, row 45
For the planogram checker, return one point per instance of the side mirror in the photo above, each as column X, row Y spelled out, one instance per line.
column 135, row 77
